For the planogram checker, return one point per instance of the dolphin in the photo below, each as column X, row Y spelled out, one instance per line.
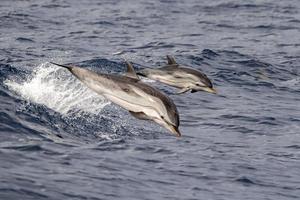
column 184, row 78
column 141, row 100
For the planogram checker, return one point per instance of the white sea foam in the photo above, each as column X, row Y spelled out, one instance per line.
column 57, row 89
column 292, row 83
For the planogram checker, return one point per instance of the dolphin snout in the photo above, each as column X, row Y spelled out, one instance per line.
column 210, row 90
column 175, row 131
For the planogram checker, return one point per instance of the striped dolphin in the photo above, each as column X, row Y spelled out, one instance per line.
column 141, row 100
column 184, row 78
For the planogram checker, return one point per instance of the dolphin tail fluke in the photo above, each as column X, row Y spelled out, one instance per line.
column 64, row 66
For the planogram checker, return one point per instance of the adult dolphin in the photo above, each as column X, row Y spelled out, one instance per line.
column 184, row 78
column 141, row 100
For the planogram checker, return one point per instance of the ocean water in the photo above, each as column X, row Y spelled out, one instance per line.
column 60, row 140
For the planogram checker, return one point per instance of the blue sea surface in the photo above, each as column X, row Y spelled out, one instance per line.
column 60, row 140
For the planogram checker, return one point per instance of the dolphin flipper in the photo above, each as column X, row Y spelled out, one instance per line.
column 183, row 90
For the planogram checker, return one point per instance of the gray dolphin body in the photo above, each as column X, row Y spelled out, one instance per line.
column 184, row 78
column 141, row 100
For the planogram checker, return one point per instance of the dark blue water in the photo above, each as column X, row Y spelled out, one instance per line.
column 59, row 140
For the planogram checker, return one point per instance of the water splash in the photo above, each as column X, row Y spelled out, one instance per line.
column 57, row 89
column 292, row 83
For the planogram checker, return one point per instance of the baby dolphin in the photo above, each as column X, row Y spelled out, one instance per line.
column 141, row 100
column 184, row 78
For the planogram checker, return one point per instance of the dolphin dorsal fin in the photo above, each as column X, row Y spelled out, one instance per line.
column 130, row 71
column 171, row 60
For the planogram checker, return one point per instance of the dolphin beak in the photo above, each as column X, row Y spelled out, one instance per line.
column 210, row 90
column 170, row 127
column 175, row 131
